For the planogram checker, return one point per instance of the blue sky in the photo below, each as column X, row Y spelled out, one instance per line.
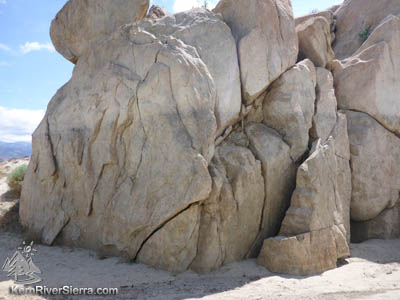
column 31, row 71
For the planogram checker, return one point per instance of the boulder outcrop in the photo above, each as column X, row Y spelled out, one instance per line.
column 375, row 157
column 313, row 235
column 289, row 106
column 359, row 17
column 266, row 39
column 79, row 24
column 315, row 41
column 369, row 81
column 216, row 47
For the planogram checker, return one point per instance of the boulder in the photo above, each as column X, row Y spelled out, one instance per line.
column 231, row 217
column 385, row 226
column 305, row 254
column 157, row 12
column 215, row 45
column 324, row 119
column 79, row 24
column 328, row 15
column 266, row 39
column 375, row 157
column 369, row 81
column 315, row 41
column 313, row 235
column 355, row 17
column 289, row 106
column 121, row 157
column 279, row 172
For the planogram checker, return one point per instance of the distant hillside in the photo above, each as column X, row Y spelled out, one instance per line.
column 14, row 150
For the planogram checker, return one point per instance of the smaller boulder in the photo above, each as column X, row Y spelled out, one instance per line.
column 157, row 12
column 315, row 41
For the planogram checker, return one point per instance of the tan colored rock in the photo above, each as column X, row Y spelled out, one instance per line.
column 157, row 12
column 289, row 106
column 328, row 15
column 354, row 17
column 324, row 119
column 267, row 42
column 385, row 226
column 375, row 156
column 315, row 41
column 279, row 172
column 231, row 217
column 79, row 24
column 369, row 81
column 215, row 44
column 174, row 246
column 313, row 234
column 305, row 254
column 124, row 148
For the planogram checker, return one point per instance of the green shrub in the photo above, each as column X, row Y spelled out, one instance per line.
column 365, row 34
column 16, row 177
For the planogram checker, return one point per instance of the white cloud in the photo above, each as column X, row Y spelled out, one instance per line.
column 4, row 47
column 35, row 46
column 3, row 1
column 17, row 125
column 182, row 5
column 4, row 63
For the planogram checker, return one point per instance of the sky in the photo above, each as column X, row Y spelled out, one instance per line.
column 31, row 70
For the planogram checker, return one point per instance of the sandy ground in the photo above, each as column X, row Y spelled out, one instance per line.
column 373, row 273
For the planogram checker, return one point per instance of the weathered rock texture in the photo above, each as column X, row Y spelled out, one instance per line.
column 375, row 157
column 289, row 106
column 324, row 119
column 369, row 81
column 231, row 217
column 178, row 140
column 314, row 231
column 79, row 24
column 355, row 17
column 385, row 226
column 115, row 161
column 215, row 45
column 315, row 41
column 266, row 39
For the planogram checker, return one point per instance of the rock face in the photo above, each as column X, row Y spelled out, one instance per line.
column 315, row 41
column 369, row 81
column 267, row 42
column 384, row 226
column 215, row 45
column 231, row 217
column 375, row 157
column 289, row 106
column 355, row 17
column 190, row 141
column 279, row 172
column 80, row 24
column 324, row 119
column 313, row 233
column 115, row 161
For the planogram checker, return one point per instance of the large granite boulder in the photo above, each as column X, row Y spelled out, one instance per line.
column 231, row 217
column 313, row 235
column 79, row 24
column 266, row 39
column 375, row 157
column 359, row 17
column 122, row 154
column 315, row 41
column 369, row 81
column 215, row 45
column 289, row 106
